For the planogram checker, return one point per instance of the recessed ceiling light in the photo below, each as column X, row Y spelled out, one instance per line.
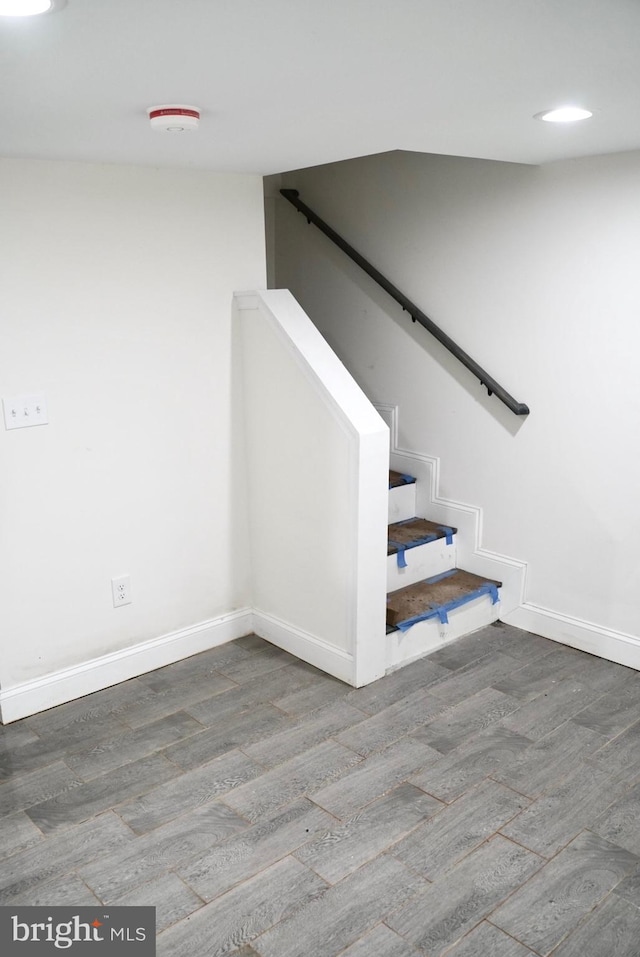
column 565, row 114
column 29, row 8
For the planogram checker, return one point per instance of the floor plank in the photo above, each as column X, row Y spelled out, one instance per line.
column 170, row 896
column 485, row 940
column 151, row 855
column 17, row 833
column 59, row 892
column 300, row 734
column 265, row 808
column 475, row 677
column 548, row 711
column 492, row 750
column 264, row 689
column 107, row 755
column 613, row 928
column 435, row 846
column 231, row 731
column 155, row 705
column 25, row 790
column 344, row 847
column 549, row 760
column 612, row 713
column 60, row 854
column 198, row 667
column 56, row 743
column 621, row 755
column 389, row 725
column 619, row 823
column 449, row 908
column 550, row 905
column 252, row 850
column 239, row 916
column 163, row 803
column 397, row 686
column 381, row 942
column 323, row 690
column 269, row 659
column 629, row 888
column 345, row 912
column 373, row 777
column 560, row 814
column 99, row 794
column 465, row 719
column 305, row 773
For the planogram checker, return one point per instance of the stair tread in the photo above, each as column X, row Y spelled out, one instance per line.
column 397, row 479
column 436, row 595
column 415, row 531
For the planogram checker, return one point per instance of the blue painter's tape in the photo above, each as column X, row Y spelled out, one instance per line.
column 493, row 591
column 438, row 578
column 448, row 533
column 441, row 611
column 407, row 479
column 400, row 550
column 488, row 588
column 406, row 625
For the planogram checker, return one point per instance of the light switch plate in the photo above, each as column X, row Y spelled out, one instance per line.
column 22, row 411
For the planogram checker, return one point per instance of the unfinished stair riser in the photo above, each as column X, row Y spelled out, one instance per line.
column 402, row 497
column 408, row 562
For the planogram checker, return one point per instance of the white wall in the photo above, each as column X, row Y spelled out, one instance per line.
column 116, row 291
column 534, row 272
column 317, row 468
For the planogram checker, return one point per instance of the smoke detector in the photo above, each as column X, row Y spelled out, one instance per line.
column 174, row 119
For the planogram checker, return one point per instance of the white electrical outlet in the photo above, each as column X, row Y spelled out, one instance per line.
column 22, row 411
column 121, row 590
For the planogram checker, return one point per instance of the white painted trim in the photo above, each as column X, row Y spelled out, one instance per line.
column 615, row 646
column 366, row 492
column 334, row 661
column 466, row 518
column 314, row 356
column 59, row 687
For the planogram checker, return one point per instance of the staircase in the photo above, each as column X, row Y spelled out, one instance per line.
column 430, row 601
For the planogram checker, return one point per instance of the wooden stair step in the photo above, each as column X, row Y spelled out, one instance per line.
column 435, row 597
column 396, row 479
column 416, row 531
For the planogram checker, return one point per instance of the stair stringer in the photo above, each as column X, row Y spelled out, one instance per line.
column 468, row 519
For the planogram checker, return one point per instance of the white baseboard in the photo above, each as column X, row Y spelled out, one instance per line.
column 334, row 661
column 603, row 642
column 59, row 687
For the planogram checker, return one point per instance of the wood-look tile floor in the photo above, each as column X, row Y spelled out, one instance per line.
column 482, row 802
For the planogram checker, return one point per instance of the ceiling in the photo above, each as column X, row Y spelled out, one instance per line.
column 284, row 84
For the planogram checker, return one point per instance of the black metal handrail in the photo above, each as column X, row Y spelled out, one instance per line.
column 417, row 315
